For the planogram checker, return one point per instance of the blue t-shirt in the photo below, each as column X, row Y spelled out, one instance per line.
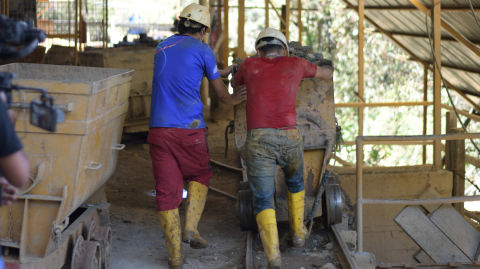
column 180, row 64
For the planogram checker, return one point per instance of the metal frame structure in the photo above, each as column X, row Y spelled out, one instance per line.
column 376, row 140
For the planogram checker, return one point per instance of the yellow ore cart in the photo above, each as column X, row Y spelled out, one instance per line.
column 316, row 121
column 139, row 59
column 55, row 222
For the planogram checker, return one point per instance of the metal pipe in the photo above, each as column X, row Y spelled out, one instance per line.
column 389, row 104
column 370, row 139
column 226, row 166
column 359, row 195
column 445, row 200
column 222, row 192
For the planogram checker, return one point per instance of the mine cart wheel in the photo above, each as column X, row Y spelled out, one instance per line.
column 244, row 185
column 245, row 204
column 332, row 203
column 103, row 235
column 86, row 255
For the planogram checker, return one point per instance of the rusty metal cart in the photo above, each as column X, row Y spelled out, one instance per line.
column 49, row 225
column 316, row 121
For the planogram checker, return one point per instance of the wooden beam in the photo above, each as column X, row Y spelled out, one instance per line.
column 219, row 43
column 414, row 56
column 463, row 112
column 390, row 104
column 447, row 38
column 447, row 27
column 300, row 24
column 425, row 99
column 287, row 20
column 241, row 30
column 458, row 167
column 398, row 143
column 437, row 83
column 278, row 14
column 267, row 14
column 393, row 8
column 226, row 51
column 361, row 17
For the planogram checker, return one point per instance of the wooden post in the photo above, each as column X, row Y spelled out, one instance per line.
column 204, row 87
column 287, row 19
column 360, row 63
column 267, row 14
column 300, row 25
column 437, row 120
column 219, row 35
column 451, row 122
column 76, row 33
column 241, row 30
column 226, row 51
column 458, row 169
column 284, row 15
column 425, row 99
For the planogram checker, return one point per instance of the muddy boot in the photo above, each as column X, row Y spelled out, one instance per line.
column 197, row 195
column 267, row 226
column 170, row 222
column 296, row 210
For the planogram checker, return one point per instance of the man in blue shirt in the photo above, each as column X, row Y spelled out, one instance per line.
column 177, row 135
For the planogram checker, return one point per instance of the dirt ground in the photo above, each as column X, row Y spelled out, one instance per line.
column 138, row 240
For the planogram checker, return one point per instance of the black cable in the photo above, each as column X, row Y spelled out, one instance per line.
column 473, row 13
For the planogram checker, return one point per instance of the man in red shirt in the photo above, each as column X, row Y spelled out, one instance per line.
column 272, row 138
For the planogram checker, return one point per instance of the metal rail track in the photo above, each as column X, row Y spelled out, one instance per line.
column 344, row 256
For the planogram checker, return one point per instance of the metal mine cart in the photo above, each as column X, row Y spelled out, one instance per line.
column 316, row 121
column 56, row 219
column 139, row 59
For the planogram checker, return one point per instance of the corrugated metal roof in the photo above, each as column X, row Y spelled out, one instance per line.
column 460, row 65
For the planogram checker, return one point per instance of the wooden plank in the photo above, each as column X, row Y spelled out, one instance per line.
column 361, row 17
column 267, row 14
column 300, row 24
column 425, row 99
column 458, row 168
column 421, row 257
column 451, row 122
column 422, row 230
column 437, row 82
column 430, row 192
column 457, row 229
column 241, row 30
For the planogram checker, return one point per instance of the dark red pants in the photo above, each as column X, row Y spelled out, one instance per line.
column 177, row 155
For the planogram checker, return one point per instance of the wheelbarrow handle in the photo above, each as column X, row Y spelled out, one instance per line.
column 94, row 166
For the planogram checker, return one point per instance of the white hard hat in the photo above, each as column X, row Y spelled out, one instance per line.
column 279, row 38
column 196, row 13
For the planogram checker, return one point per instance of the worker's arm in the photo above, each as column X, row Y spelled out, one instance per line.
column 16, row 168
column 225, row 72
column 324, row 72
column 224, row 96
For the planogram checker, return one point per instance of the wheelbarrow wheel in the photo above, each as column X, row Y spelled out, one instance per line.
column 103, row 236
column 244, row 185
column 86, row 255
column 332, row 204
column 245, row 208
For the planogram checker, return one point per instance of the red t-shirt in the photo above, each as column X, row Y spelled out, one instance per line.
column 272, row 89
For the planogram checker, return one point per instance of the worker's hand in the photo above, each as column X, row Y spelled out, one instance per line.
column 225, row 72
column 239, row 96
column 9, row 192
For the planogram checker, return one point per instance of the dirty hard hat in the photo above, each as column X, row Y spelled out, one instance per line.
column 278, row 38
column 197, row 16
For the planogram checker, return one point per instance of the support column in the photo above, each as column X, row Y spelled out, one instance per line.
column 361, row 17
column 267, row 14
column 437, row 116
column 287, row 20
column 226, row 51
column 300, row 25
column 204, row 87
column 425, row 99
column 219, row 35
column 241, row 30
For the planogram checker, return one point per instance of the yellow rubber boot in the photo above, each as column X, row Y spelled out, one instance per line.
column 296, row 211
column 267, row 226
column 170, row 221
column 197, row 195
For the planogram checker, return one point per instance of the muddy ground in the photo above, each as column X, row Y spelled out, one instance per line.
column 138, row 241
